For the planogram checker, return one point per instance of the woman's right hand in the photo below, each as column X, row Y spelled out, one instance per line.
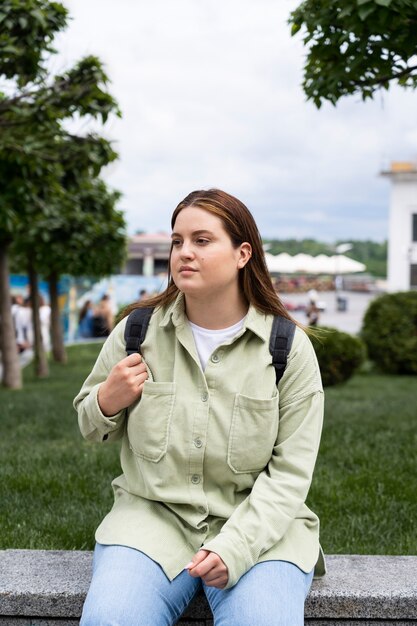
column 123, row 386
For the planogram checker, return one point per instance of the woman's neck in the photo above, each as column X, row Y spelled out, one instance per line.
column 215, row 313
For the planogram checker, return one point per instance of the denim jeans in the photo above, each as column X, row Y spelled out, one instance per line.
column 130, row 589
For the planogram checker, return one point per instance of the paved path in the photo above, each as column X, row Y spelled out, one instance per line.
column 349, row 321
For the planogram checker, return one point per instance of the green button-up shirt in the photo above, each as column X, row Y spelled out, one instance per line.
column 220, row 458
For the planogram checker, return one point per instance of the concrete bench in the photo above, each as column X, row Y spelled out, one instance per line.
column 47, row 588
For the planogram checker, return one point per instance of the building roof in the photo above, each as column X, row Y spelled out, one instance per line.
column 157, row 245
column 401, row 169
column 151, row 238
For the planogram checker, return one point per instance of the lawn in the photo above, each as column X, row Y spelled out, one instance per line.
column 55, row 487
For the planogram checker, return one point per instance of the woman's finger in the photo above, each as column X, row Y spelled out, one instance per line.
column 218, row 581
column 140, row 368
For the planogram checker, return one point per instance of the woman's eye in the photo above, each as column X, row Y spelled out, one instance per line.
column 202, row 242
column 176, row 242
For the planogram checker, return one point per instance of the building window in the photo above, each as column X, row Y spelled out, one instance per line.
column 413, row 276
column 414, row 226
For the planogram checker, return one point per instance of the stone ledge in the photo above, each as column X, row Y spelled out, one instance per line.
column 49, row 587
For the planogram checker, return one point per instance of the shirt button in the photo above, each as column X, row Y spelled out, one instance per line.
column 204, row 396
column 195, row 479
column 215, row 358
column 198, row 443
column 201, row 509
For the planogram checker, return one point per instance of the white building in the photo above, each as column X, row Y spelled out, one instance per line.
column 402, row 236
column 148, row 254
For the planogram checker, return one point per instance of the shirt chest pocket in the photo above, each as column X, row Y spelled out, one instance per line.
column 253, row 433
column 149, row 421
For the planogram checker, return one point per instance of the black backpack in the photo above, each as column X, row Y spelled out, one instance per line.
column 282, row 335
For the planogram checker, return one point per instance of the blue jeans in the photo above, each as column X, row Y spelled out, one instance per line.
column 130, row 589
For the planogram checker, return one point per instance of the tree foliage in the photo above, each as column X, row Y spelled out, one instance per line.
column 339, row 354
column 48, row 175
column 390, row 332
column 86, row 238
column 27, row 31
column 356, row 46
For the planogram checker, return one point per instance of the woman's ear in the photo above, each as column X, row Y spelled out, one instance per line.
column 245, row 253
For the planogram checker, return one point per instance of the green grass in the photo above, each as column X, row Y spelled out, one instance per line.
column 365, row 484
column 55, row 487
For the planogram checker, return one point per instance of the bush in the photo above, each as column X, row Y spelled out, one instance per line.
column 339, row 354
column 390, row 332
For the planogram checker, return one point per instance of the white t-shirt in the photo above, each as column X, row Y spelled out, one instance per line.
column 207, row 340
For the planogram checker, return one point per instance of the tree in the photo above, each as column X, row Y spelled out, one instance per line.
column 11, row 370
column 356, row 46
column 81, row 216
column 91, row 223
column 88, row 221
column 32, row 132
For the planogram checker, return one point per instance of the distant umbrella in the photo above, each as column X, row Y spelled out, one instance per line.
column 304, row 263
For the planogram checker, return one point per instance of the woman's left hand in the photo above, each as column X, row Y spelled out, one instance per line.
column 210, row 568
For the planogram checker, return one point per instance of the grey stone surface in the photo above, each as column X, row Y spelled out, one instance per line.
column 24, row 621
column 51, row 586
column 361, row 622
column 43, row 583
column 375, row 587
column 37, row 621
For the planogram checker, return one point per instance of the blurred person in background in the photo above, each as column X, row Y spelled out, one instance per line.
column 45, row 320
column 23, row 324
column 17, row 302
column 312, row 310
column 103, row 320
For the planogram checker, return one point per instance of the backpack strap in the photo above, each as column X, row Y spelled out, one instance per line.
column 136, row 327
column 282, row 335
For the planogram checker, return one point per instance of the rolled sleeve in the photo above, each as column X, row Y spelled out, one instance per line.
column 93, row 424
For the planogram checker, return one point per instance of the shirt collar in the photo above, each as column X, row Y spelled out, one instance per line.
column 175, row 312
column 255, row 321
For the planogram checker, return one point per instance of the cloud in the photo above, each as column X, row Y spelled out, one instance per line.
column 211, row 96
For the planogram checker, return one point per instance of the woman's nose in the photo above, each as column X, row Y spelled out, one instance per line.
column 187, row 250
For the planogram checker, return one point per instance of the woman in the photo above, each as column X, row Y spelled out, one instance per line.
column 45, row 320
column 24, row 326
column 103, row 319
column 216, row 461
column 313, row 311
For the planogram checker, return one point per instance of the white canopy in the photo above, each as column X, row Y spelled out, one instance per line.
column 338, row 264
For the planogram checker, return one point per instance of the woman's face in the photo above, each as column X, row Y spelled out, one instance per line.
column 203, row 259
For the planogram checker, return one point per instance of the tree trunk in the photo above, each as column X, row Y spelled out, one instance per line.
column 41, row 364
column 12, row 375
column 57, row 336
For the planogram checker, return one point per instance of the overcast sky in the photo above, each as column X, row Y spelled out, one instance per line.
column 211, row 96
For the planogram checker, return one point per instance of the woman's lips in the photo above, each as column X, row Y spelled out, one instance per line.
column 185, row 269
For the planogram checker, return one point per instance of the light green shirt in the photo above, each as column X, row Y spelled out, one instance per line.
column 218, row 458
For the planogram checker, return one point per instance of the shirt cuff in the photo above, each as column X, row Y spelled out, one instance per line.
column 236, row 557
column 102, row 423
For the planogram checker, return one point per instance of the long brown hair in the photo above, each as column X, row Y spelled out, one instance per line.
column 238, row 221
